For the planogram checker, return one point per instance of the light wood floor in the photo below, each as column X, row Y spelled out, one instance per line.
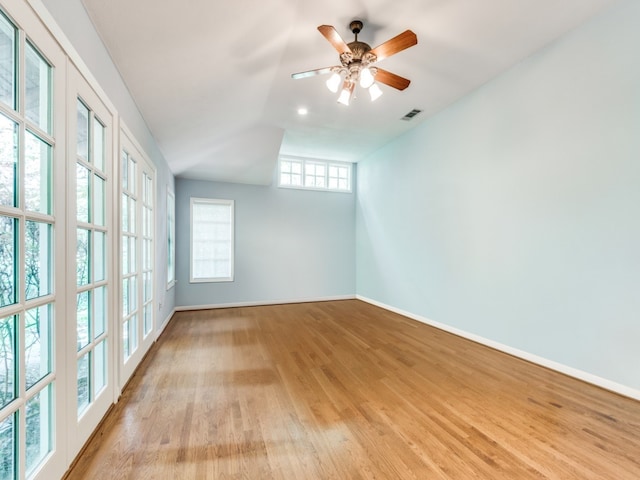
column 344, row 390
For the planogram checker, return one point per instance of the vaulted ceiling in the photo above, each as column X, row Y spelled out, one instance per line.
column 213, row 79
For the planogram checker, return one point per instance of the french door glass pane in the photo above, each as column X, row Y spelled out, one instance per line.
column 82, row 140
column 125, row 212
column 8, row 161
column 38, row 261
column 146, row 286
column 37, row 341
column 125, row 296
column 98, row 200
column 125, row 339
column 100, row 311
column 83, row 382
column 125, row 171
column 148, row 318
column 7, row 63
column 98, row 256
column 82, row 193
column 82, row 256
column 38, row 415
column 82, row 319
column 132, row 254
column 98, row 144
column 7, row 447
column 37, row 175
column 100, row 364
column 125, row 255
column 133, row 333
column 8, row 341
column 38, row 88
column 8, row 241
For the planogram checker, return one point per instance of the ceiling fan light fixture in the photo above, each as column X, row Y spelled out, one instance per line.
column 346, row 93
column 366, row 78
column 375, row 92
column 334, row 82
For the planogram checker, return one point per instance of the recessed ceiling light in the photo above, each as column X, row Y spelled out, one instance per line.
column 302, row 111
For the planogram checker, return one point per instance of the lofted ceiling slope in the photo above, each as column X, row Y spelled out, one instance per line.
column 213, row 79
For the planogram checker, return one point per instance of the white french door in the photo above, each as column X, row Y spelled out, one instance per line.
column 32, row 252
column 137, row 312
column 91, row 386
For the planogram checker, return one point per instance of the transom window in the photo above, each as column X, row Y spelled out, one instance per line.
column 314, row 174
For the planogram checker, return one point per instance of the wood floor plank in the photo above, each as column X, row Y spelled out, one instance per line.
column 345, row 390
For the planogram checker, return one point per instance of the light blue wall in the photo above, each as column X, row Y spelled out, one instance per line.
column 515, row 213
column 289, row 244
column 72, row 18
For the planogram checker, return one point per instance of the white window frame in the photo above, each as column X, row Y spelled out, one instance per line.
column 171, row 239
column 314, row 161
column 212, row 201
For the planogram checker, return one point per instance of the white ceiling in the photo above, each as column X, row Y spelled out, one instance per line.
column 213, row 78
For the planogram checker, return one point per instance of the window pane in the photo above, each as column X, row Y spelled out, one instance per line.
column 100, row 310
column 37, row 175
column 83, row 382
column 8, row 161
column 37, row 343
column 125, row 255
column 8, row 433
column 212, row 247
column 38, row 89
column 38, row 413
column 82, row 319
column 8, row 241
column 99, row 200
column 82, row 256
column 7, row 64
column 98, row 144
column 125, row 340
column 7, row 361
column 98, row 256
column 125, row 297
column 124, row 208
column 132, row 254
column 133, row 333
column 82, row 193
column 133, row 294
column 125, row 171
column 82, row 140
column 100, row 365
column 38, row 261
column 147, row 286
column 148, row 318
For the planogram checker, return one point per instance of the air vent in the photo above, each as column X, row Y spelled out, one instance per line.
column 409, row 116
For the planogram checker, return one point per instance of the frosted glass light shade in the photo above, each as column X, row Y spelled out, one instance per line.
column 334, row 82
column 374, row 92
column 366, row 78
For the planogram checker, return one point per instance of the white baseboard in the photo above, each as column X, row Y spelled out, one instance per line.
column 559, row 367
column 264, row 303
column 164, row 324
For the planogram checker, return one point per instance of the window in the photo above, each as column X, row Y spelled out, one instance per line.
column 171, row 239
column 211, row 240
column 312, row 174
column 30, row 230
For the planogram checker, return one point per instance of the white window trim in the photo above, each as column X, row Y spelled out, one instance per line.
column 315, row 161
column 214, row 201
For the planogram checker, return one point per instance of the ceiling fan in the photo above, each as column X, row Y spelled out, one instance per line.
column 356, row 63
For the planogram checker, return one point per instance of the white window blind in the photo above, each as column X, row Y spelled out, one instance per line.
column 211, row 240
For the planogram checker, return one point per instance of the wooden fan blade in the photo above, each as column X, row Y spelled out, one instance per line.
column 391, row 79
column 311, row 73
column 398, row 43
column 334, row 38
